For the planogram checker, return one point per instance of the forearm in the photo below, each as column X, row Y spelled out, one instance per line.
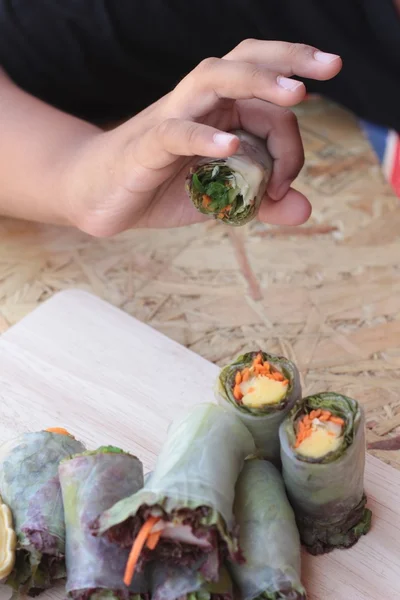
column 38, row 146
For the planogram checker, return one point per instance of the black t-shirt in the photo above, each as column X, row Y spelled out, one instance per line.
column 108, row 59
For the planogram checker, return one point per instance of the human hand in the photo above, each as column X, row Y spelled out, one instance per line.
column 134, row 175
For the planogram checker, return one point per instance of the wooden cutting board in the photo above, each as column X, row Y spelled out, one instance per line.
column 80, row 363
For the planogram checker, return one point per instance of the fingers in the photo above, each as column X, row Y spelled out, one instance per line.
column 293, row 209
column 216, row 78
column 160, row 146
column 279, row 127
column 288, row 59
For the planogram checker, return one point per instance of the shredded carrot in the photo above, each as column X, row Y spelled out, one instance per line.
column 206, row 201
column 337, row 421
column 137, row 547
column 237, row 393
column 153, row 540
column 258, row 368
column 59, row 430
column 257, row 360
column 304, row 425
column 251, row 390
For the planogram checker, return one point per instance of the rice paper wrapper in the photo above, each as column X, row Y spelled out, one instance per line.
column 249, row 170
column 268, row 536
column 29, row 485
column 328, row 496
column 170, row 583
column 262, row 423
column 91, row 483
column 197, row 466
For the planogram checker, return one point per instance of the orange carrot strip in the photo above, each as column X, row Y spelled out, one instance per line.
column 237, row 393
column 251, row 390
column 137, row 547
column 238, row 378
column 245, row 375
column 153, row 540
column 337, row 420
column 313, row 414
column 258, row 359
column 59, row 430
column 206, row 201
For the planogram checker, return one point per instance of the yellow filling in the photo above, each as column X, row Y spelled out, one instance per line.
column 8, row 541
column 324, row 438
column 262, row 391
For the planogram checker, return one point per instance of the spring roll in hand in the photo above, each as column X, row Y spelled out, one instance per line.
column 91, row 483
column 268, row 536
column 184, row 514
column 30, row 488
column 260, row 389
column 323, row 459
column 231, row 189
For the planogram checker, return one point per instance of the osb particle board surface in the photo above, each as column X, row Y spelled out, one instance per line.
column 326, row 295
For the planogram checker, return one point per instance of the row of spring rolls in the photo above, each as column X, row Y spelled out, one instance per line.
column 318, row 443
column 211, row 515
column 194, row 529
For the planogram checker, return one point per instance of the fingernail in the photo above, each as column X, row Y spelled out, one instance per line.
column 223, row 139
column 324, row 57
column 288, row 84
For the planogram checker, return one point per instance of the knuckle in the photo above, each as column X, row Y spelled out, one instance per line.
column 166, row 128
column 247, row 43
column 206, row 65
column 192, row 130
column 295, row 50
column 257, row 75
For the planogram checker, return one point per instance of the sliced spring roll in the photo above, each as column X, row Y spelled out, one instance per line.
column 323, row 459
column 30, row 487
column 183, row 583
column 183, row 516
column 268, row 536
column 231, row 189
column 260, row 389
column 91, row 483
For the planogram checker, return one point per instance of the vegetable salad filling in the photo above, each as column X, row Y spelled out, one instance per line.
column 318, row 433
column 260, row 389
column 231, row 189
column 323, row 460
column 259, row 385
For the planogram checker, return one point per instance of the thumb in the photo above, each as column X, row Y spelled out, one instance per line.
column 160, row 146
